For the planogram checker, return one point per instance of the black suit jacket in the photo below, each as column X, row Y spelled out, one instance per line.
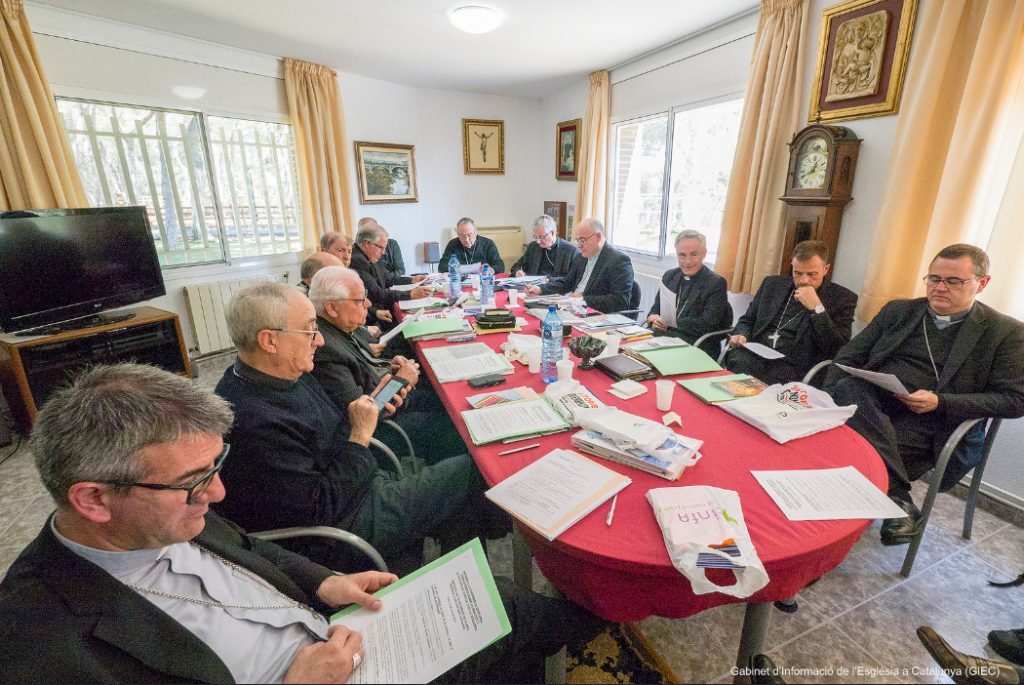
column 341, row 369
column 610, row 285
column 484, row 250
column 983, row 375
column 375, row 280
column 563, row 252
column 819, row 337
column 393, row 264
column 707, row 308
column 64, row 619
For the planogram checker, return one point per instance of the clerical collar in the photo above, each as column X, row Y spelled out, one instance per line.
column 248, row 373
column 943, row 320
column 110, row 561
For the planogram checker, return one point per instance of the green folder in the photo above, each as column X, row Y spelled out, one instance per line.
column 673, row 361
column 423, row 327
column 705, row 391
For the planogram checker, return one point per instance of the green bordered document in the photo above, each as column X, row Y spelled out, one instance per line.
column 673, row 361
column 513, row 420
column 418, row 329
column 714, row 389
column 432, row 620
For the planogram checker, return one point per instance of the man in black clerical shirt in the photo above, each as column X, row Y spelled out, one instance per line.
column 470, row 248
column 547, row 255
column 805, row 317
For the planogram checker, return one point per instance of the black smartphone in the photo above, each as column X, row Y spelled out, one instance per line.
column 388, row 392
column 486, row 381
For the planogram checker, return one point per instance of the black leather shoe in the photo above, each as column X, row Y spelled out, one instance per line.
column 902, row 531
column 1008, row 644
column 963, row 668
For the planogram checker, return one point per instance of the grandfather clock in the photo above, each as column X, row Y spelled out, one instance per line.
column 822, row 161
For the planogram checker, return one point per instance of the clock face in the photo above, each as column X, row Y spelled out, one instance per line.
column 811, row 164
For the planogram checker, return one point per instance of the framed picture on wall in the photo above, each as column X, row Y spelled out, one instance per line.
column 387, row 172
column 862, row 59
column 567, row 141
column 557, row 211
column 483, row 146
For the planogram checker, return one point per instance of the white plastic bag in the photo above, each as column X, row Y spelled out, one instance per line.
column 790, row 411
column 703, row 528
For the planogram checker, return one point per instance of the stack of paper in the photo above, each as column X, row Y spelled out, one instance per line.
column 627, row 389
column 720, row 389
column 556, row 491
column 487, row 399
column 460, row 362
column 513, row 420
column 428, row 329
column 659, row 343
column 592, row 323
column 422, row 303
column 567, row 317
column 668, row 461
column 518, row 282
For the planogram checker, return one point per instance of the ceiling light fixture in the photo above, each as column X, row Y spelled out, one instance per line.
column 475, row 18
column 189, row 92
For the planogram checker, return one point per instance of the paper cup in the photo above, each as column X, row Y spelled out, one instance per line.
column 513, row 297
column 664, row 389
column 612, row 346
column 564, row 367
column 535, row 362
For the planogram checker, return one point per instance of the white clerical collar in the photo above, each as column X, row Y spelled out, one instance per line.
column 111, row 562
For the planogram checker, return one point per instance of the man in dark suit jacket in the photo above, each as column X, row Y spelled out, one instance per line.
column 470, row 248
column 370, row 245
column 600, row 274
column 130, row 580
column 547, row 255
column 959, row 358
column 700, row 297
column 804, row 317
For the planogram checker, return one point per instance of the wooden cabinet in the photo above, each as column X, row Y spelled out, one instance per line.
column 31, row 369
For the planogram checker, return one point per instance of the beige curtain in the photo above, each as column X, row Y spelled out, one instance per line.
column 958, row 133
column 37, row 169
column 592, row 188
column 321, row 146
column 751, row 239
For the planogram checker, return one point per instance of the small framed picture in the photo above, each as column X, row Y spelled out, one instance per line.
column 557, row 211
column 567, row 142
column 387, row 172
column 483, row 146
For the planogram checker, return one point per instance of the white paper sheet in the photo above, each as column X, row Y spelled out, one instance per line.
column 667, row 303
column 886, row 381
column 827, row 495
column 511, row 420
column 406, row 288
column 422, row 303
column 459, row 362
column 431, row 622
column 386, row 338
column 763, row 350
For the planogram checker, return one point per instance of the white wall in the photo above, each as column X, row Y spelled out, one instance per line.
column 570, row 103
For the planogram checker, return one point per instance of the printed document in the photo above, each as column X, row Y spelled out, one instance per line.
column 886, row 381
column 827, row 495
column 422, row 303
column 667, row 305
column 386, row 338
column 512, row 419
column 459, row 362
column 556, row 491
column 432, row 620
column 763, row 350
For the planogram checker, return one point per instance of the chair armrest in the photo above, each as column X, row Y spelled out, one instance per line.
column 325, row 532
column 814, row 370
column 401, row 433
column 395, row 461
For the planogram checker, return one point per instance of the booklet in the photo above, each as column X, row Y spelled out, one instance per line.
column 487, row 399
column 719, row 388
column 419, row 329
column 556, row 491
column 460, row 362
column 512, row 420
column 432, row 620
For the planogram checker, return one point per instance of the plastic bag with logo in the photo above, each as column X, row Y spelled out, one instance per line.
column 704, row 528
column 790, row 411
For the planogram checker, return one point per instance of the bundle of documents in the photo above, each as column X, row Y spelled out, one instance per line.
column 422, row 303
column 592, row 323
column 565, row 315
column 518, row 282
column 432, row 329
column 513, row 421
column 488, row 399
column 461, row 362
column 673, row 361
column 627, row 389
column 668, row 461
column 724, row 388
column 556, row 491
column 659, row 343
column 628, row 333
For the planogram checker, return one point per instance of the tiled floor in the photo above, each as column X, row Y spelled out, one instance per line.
column 855, row 625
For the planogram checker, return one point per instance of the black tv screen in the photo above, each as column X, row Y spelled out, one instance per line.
column 63, row 264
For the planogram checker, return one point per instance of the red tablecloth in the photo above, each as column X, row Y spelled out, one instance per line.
column 623, row 573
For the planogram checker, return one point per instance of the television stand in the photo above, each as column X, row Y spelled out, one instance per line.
column 92, row 321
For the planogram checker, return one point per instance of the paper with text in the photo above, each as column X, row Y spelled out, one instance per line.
column 667, row 304
column 459, row 362
column 512, row 419
column 763, row 350
column 886, row 381
column 827, row 495
column 387, row 337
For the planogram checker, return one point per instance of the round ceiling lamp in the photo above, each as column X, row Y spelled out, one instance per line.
column 475, row 18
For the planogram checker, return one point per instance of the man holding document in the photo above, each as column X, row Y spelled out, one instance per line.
column 134, row 580
column 958, row 359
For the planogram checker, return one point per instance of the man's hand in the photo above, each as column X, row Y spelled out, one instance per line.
column 519, row 274
column 737, row 340
column 419, row 279
column 374, row 331
column 354, row 588
column 377, row 349
column 807, row 296
column 362, row 415
column 406, row 369
column 657, row 323
column 383, row 315
column 327, row 662
column 417, row 293
column 920, row 401
column 532, row 290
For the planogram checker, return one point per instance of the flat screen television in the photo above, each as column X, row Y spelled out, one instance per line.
column 62, row 265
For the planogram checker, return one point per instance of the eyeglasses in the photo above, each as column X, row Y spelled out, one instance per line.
column 582, row 240
column 357, row 300
column 951, row 282
column 311, row 332
column 542, row 236
column 382, row 248
column 192, row 490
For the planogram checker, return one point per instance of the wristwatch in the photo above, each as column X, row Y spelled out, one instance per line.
column 820, row 309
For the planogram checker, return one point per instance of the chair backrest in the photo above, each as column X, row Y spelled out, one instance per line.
column 634, row 296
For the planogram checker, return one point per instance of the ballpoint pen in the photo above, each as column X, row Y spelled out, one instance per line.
column 611, row 512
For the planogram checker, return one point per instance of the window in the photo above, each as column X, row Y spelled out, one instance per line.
column 244, row 204
column 693, row 147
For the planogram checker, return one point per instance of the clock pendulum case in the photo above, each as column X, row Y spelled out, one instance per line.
column 822, row 162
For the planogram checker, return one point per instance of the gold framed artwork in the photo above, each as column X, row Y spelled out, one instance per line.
column 387, row 172
column 559, row 212
column 483, row 146
column 862, row 59
column 567, row 147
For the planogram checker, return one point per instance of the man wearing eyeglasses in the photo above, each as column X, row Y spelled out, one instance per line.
column 959, row 358
column 471, row 248
column 600, row 274
column 134, row 580
column 547, row 255
column 371, row 242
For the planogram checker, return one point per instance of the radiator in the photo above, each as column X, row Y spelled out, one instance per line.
column 648, row 289
column 206, row 303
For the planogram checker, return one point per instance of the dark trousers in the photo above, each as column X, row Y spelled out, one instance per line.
column 430, row 429
column 770, row 371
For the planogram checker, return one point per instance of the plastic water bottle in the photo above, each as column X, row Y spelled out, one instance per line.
column 454, row 279
column 486, row 285
column 551, row 345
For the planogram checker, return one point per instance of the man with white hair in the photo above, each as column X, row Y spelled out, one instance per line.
column 371, row 242
column 547, row 255
column 600, row 274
